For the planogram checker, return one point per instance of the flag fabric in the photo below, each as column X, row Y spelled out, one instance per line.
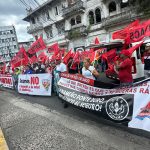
column 21, row 58
column 132, row 49
column 124, row 33
column 96, row 41
column 54, row 48
column 68, row 56
column 33, row 59
column 37, row 46
column 110, row 55
column 42, row 57
column 77, row 57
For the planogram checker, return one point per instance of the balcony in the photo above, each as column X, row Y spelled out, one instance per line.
column 74, row 8
column 76, row 32
column 34, row 27
column 123, row 17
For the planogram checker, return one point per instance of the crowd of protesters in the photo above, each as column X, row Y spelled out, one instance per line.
column 93, row 71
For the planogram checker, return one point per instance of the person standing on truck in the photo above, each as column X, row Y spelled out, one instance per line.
column 125, row 69
column 147, row 60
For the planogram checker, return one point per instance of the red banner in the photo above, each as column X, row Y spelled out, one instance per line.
column 37, row 46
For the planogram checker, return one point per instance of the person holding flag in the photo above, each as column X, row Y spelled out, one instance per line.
column 124, row 69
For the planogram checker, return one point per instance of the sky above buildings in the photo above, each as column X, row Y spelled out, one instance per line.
column 12, row 12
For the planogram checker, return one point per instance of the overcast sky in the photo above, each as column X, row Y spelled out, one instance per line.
column 11, row 13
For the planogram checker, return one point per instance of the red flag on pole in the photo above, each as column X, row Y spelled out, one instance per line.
column 42, row 57
column 68, row 56
column 37, row 46
column 54, row 48
column 21, row 58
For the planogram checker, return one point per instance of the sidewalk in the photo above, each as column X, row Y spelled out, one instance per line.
column 3, row 144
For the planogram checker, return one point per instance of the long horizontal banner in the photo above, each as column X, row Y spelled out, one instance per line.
column 130, row 104
column 35, row 84
column 6, row 81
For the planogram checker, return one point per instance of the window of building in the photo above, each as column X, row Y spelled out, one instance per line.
column 112, row 7
column 2, row 40
column 70, row 2
column 56, row 11
column 11, row 31
column 49, row 32
column 72, row 21
column 98, row 15
column 91, row 17
column 13, row 39
column 15, row 46
column 47, row 15
column 33, row 20
column 61, row 28
column 37, row 18
column 123, row 5
column 78, row 19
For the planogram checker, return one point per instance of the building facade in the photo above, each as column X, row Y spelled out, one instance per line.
column 8, row 43
column 75, row 23
column 26, row 44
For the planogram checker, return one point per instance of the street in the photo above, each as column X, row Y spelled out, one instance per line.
column 41, row 123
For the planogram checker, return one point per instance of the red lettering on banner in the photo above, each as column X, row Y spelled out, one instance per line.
column 144, row 91
column 34, row 80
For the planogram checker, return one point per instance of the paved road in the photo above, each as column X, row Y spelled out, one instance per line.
column 41, row 123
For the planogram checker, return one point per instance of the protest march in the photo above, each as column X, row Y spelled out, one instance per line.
column 110, row 79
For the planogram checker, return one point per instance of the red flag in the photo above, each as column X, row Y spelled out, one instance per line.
column 123, row 34
column 42, row 57
column 92, row 56
column 77, row 57
column 110, row 55
column 21, row 58
column 96, row 41
column 68, row 56
column 132, row 49
column 33, row 59
column 54, row 48
column 37, row 46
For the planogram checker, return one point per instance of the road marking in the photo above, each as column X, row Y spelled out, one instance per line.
column 3, row 144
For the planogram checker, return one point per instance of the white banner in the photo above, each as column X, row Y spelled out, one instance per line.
column 141, row 98
column 35, row 84
column 6, row 81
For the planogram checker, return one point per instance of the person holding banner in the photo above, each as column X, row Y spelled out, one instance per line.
column 60, row 67
column 89, row 71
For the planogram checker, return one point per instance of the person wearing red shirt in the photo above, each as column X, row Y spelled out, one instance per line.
column 125, row 69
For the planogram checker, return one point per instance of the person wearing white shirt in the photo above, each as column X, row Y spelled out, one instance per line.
column 61, row 67
column 89, row 71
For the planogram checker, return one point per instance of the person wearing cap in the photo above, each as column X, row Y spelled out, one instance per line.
column 125, row 69
column 147, row 60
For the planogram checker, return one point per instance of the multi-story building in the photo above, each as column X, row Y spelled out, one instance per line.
column 8, row 43
column 76, row 23
column 25, row 44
